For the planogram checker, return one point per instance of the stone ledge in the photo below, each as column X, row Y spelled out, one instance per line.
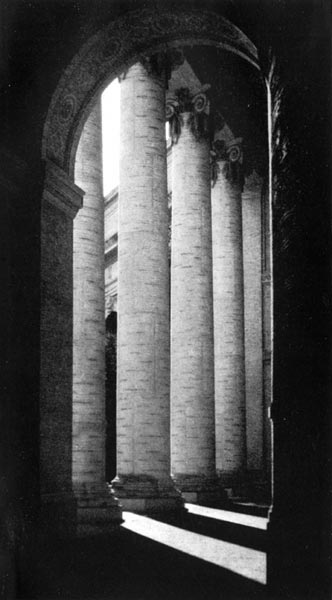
column 60, row 191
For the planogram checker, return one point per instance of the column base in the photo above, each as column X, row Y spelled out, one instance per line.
column 98, row 510
column 144, row 494
column 235, row 483
column 246, row 486
column 259, row 489
column 87, row 510
column 58, row 514
column 199, row 489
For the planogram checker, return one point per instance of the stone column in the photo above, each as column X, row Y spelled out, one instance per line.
column 94, row 498
column 143, row 479
column 253, row 332
column 192, row 380
column 228, row 307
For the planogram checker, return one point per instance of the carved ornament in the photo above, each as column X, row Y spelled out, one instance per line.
column 161, row 64
column 231, row 156
column 199, row 108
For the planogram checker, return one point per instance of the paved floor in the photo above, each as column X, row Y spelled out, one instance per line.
column 238, row 559
column 149, row 560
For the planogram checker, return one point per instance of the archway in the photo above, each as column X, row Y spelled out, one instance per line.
column 103, row 57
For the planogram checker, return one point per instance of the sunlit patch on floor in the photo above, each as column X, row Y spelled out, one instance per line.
column 229, row 516
column 243, row 561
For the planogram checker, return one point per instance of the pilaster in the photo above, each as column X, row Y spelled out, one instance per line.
column 60, row 203
column 61, row 504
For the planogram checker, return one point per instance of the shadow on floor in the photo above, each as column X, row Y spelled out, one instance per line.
column 128, row 566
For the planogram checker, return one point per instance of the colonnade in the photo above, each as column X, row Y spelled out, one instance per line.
column 181, row 377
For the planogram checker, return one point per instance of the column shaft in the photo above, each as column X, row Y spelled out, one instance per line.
column 143, row 411
column 192, row 380
column 228, row 306
column 89, row 312
column 89, row 323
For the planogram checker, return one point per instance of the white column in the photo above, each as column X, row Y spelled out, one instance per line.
column 88, row 467
column 228, row 306
column 143, row 404
column 192, row 377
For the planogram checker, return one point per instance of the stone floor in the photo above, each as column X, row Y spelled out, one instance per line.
column 210, row 555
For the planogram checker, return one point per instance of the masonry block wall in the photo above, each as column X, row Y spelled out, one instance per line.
column 60, row 203
column 56, row 428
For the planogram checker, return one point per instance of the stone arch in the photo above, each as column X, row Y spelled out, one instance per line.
column 106, row 54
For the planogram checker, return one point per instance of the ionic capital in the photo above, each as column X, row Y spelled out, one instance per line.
column 227, row 158
column 197, row 105
column 253, row 182
column 162, row 63
column 159, row 65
